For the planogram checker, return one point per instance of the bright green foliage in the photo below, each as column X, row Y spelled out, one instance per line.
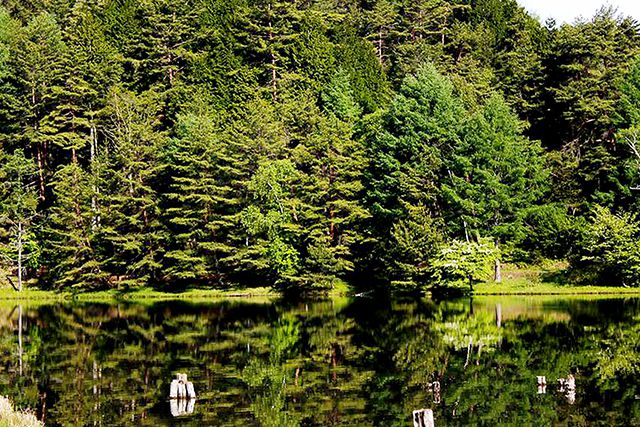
column 494, row 174
column 10, row 32
column 422, row 123
column 270, row 220
column 416, row 240
column 549, row 231
column 629, row 104
column 339, row 98
column 609, row 247
column 40, row 76
column 465, row 262
column 589, row 58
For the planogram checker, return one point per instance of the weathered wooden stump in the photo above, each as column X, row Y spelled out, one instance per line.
column 423, row 418
column 182, row 396
column 181, row 388
column 434, row 387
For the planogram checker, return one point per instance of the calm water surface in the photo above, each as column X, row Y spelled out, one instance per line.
column 338, row 362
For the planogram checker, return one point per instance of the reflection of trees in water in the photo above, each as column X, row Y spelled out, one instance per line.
column 325, row 363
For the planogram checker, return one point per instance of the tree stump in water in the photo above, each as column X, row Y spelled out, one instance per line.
column 182, row 396
column 542, row 384
column 181, row 388
column 423, row 418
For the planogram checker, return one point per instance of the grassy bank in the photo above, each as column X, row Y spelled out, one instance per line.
column 520, row 288
column 12, row 418
column 143, row 294
column 139, row 294
column 547, row 279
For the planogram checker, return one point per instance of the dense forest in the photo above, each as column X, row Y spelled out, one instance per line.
column 296, row 143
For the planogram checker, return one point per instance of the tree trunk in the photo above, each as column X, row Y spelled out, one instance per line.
column 497, row 276
column 40, row 161
column 20, row 257
column 95, row 221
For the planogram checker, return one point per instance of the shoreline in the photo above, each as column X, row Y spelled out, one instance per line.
column 265, row 294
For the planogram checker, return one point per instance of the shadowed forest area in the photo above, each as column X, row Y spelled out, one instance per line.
column 304, row 143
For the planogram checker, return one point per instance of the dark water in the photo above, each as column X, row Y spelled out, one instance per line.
column 340, row 362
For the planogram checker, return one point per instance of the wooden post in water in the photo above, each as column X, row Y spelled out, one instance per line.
column 423, row 418
column 182, row 396
column 181, row 388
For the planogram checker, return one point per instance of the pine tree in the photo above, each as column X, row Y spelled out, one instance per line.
column 200, row 201
column 92, row 68
column 130, row 207
column 10, row 32
column 39, row 61
column 334, row 162
column 72, row 251
column 18, row 203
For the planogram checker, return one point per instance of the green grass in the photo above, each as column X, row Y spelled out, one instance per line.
column 144, row 294
column 548, row 279
column 532, row 288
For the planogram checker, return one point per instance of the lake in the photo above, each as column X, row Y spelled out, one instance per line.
column 345, row 361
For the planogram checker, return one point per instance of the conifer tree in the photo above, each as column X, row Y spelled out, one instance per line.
column 494, row 175
column 18, row 203
column 200, row 201
column 40, row 60
column 130, row 215
column 72, row 251
column 334, row 163
column 10, row 32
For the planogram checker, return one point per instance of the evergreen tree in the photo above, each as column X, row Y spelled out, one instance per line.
column 334, row 163
column 200, row 201
column 72, row 250
column 494, row 175
column 408, row 156
column 40, row 67
column 131, row 213
column 18, row 203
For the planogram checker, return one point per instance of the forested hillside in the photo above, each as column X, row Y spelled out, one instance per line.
column 294, row 143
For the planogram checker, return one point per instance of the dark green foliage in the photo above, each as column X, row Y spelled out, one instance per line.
column 130, row 213
column 297, row 144
column 198, row 201
column 71, row 251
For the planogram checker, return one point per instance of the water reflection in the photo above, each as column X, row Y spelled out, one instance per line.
column 363, row 362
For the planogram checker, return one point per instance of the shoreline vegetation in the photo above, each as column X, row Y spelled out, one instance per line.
column 9, row 417
column 525, row 281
